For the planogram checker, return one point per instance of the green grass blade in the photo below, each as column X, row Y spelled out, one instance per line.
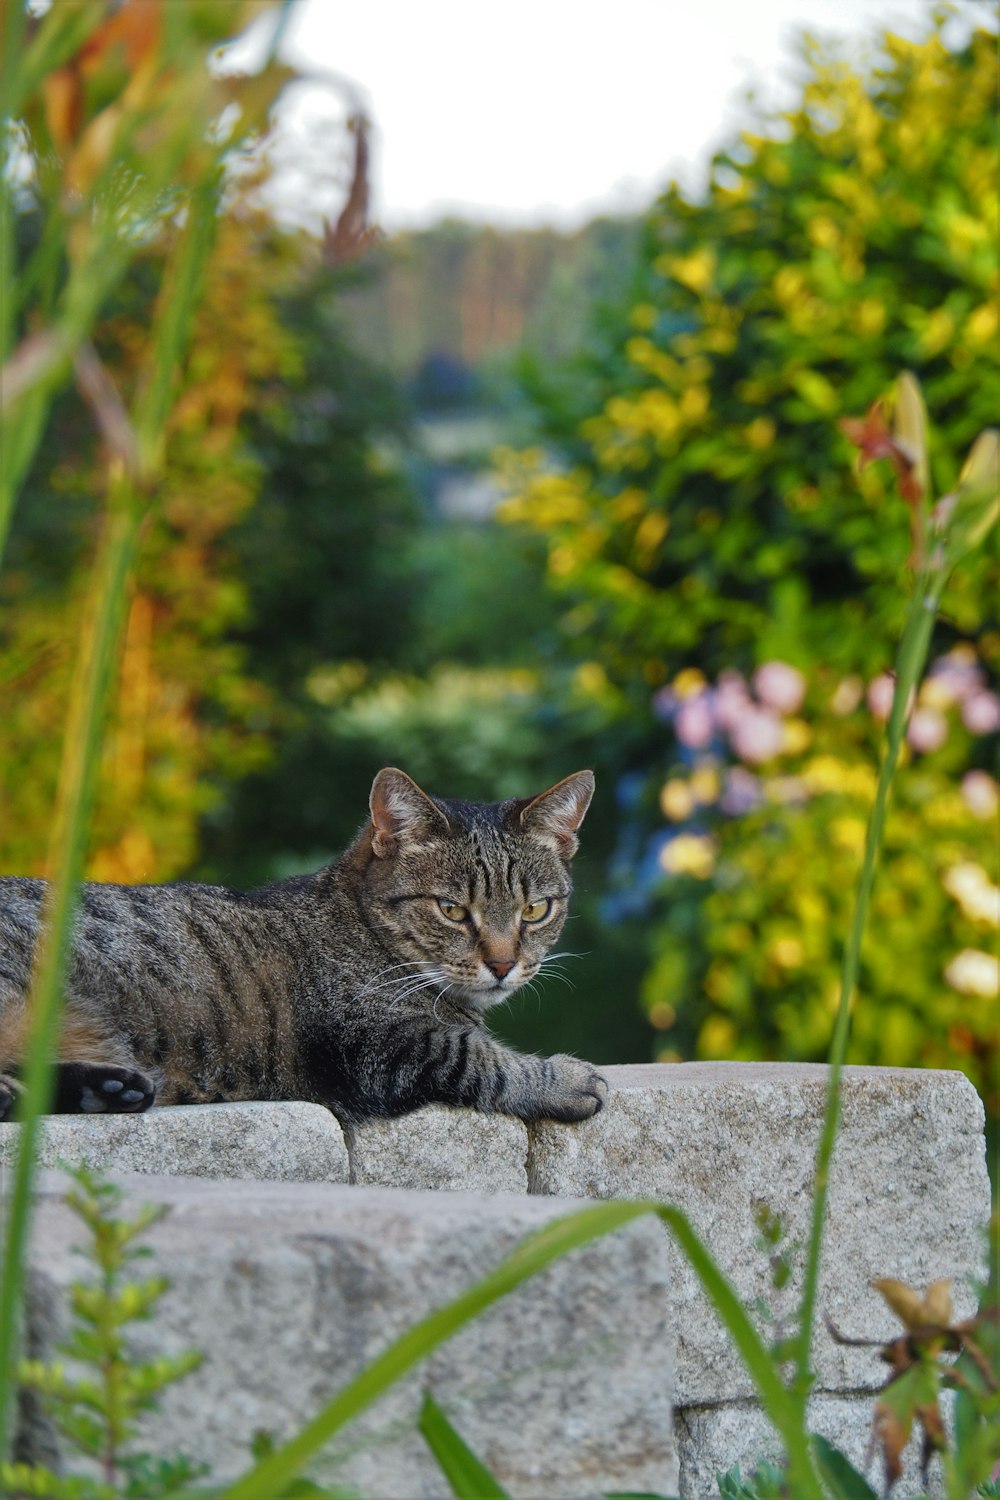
column 61, row 34
column 909, row 666
column 785, row 1409
column 533, row 1255
column 174, row 316
column 468, row 1476
column 842, row 1479
column 75, row 795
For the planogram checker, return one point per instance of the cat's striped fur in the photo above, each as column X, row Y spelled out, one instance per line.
column 362, row 987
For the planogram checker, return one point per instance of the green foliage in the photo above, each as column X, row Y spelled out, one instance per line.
column 842, row 1478
column 96, row 1400
column 702, row 517
column 467, row 1475
column 698, row 523
column 765, row 1483
column 747, row 947
column 144, row 165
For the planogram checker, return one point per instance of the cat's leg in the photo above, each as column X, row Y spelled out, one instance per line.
column 467, row 1066
column 94, row 1073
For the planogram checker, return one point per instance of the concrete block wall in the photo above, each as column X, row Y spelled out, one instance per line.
column 325, row 1213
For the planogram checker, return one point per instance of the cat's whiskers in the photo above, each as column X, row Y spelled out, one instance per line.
column 413, row 989
column 440, row 996
column 550, row 965
column 426, row 980
column 381, row 975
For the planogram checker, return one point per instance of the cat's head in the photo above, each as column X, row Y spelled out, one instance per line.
column 471, row 896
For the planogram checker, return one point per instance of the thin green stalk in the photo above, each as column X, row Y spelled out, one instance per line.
column 909, row 667
column 78, row 775
column 173, row 322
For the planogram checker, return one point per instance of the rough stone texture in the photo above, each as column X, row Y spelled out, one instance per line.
column 711, row 1439
column 909, row 1193
column 563, row 1387
column 277, row 1142
column 438, row 1147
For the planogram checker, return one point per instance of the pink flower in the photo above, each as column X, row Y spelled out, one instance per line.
column 694, row 725
column 981, row 713
column 980, row 794
column 928, row 730
column 742, row 792
column 880, row 695
column 958, row 673
column 731, row 698
column 757, row 734
column 779, row 686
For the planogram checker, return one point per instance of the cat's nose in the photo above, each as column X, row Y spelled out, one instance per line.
column 501, row 967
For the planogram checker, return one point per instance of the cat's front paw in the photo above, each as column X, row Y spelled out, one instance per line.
column 577, row 1093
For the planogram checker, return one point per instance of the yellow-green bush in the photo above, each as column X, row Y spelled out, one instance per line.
column 700, row 514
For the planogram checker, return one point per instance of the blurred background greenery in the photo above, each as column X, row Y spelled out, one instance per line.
column 493, row 505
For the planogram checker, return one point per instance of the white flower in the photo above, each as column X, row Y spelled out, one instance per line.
column 974, row 973
column 980, row 794
column 928, row 730
column 975, row 893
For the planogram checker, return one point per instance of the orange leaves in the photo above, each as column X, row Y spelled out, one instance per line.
column 898, row 431
column 910, row 1396
column 875, row 438
column 916, row 1313
column 140, row 83
column 83, row 100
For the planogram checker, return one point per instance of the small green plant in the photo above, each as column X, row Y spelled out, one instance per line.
column 97, row 1400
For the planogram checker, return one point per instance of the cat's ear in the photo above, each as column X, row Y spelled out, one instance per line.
column 402, row 815
column 555, row 816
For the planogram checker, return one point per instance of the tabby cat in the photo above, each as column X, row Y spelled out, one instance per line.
column 362, row 987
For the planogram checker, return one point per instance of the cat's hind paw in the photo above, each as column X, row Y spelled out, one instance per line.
column 9, row 1090
column 100, row 1089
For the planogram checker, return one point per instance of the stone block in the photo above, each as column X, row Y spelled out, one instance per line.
column 909, row 1192
column 438, row 1147
column 282, row 1142
column 563, row 1387
column 711, row 1439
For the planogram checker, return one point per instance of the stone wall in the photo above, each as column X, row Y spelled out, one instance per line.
column 611, row 1371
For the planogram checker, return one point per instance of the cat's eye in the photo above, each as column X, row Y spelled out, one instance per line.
column 453, row 911
column 536, row 911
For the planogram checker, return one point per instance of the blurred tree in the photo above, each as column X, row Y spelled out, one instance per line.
column 324, row 562
column 701, row 518
column 186, row 713
column 703, row 512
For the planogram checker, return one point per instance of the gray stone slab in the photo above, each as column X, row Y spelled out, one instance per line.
column 564, row 1387
column 710, row 1440
column 280, row 1142
column 909, row 1193
column 438, row 1147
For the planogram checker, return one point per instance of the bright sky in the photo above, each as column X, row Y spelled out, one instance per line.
column 543, row 111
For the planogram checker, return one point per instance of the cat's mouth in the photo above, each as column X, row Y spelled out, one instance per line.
column 490, row 989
